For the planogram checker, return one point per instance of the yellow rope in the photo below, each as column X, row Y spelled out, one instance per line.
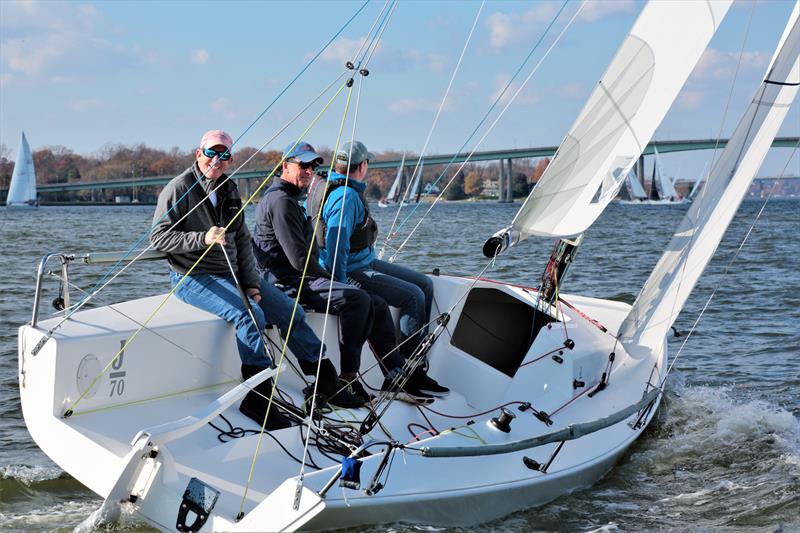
column 154, row 398
column 294, row 308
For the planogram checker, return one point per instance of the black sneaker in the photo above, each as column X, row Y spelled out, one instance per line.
column 423, row 382
column 254, row 406
column 330, row 388
column 356, row 389
column 407, row 393
column 348, row 396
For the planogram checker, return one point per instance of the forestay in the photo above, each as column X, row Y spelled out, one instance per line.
column 620, row 117
column 701, row 230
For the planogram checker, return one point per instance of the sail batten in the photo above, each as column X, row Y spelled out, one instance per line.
column 620, row 117
column 704, row 225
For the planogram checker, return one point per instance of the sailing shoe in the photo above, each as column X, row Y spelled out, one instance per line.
column 407, row 393
column 256, row 401
column 330, row 388
column 255, row 405
column 356, row 389
column 423, row 382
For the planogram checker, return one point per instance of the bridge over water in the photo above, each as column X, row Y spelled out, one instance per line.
column 505, row 157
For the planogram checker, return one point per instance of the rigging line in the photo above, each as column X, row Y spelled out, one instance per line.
column 498, row 98
column 330, row 287
column 367, row 38
column 435, row 121
column 730, row 263
column 385, row 24
column 288, row 332
column 269, row 106
column 135, row 334
column 491, row 127
column 95, row 290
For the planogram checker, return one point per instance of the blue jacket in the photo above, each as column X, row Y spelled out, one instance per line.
column 345, row 211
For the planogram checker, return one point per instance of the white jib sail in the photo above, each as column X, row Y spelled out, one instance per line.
column 23, row 180
column 665, row 187
column 637, row 191
column 620, row 117
column 392, row 196
column 701, row 230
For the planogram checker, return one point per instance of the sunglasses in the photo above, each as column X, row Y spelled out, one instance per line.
column 210, row 153
column 305, row 166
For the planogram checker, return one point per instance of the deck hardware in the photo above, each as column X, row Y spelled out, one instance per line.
column 558, row 359
column 199, row 499
column 503, row 421
column 531, row 463
column 435, row 272
column 569, row 343
column 578, row 384
column 544, row 417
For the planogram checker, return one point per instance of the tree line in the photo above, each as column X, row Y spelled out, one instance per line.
column 58, row 164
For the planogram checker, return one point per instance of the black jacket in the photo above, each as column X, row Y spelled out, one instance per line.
column 282, row 236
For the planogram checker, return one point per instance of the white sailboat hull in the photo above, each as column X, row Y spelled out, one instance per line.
column 106, row 442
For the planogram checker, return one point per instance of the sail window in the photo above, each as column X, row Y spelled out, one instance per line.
column 497, row 328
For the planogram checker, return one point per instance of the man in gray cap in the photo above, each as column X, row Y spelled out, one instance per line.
column 348, row 252
column 282, row 238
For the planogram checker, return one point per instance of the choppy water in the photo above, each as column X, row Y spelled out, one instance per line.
column 723, row 453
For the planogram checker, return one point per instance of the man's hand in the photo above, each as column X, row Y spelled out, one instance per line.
column 215, row 235
column 254, row 294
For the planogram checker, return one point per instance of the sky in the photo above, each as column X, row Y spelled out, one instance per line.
column 86, row 75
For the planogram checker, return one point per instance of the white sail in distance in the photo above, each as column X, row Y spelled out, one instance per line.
column 701, row 230
column 22, row 191
column 392, row 196
column 664, row 186
column 620, row 117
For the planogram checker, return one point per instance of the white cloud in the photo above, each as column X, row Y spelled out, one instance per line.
column 690, row 99
column 409, row 106
column 42, row 42
column 525, row 97
column 575, row 90
column 506, row 29
column 220, row 104
column 715, row 64
column 597, row 9
column 200, row 57
column 341, row 50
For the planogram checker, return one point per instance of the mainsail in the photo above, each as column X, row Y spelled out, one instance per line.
column 22, row 191
column 701, row 230
column 620, row 117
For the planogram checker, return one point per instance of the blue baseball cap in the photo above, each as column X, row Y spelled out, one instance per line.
column 302, row 152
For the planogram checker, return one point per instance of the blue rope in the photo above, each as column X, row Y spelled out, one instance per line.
column 485, row 116
column 146, row 235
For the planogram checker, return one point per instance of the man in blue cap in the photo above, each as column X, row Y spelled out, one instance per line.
column 282, row 241
column 348, row 252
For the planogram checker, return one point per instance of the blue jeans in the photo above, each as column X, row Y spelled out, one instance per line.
column 219, row 295
column 401, row 287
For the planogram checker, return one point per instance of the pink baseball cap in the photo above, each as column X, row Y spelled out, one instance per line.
column 214, row 138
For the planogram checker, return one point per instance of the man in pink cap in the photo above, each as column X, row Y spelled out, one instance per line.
column 192, row 213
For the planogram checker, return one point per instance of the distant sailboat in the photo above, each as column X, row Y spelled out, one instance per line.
column 662, row 189
column 22, row 192
column 391, row 198
column 413, row 196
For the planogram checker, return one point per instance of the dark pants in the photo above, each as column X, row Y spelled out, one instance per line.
column 362, row 317
column 401, row 287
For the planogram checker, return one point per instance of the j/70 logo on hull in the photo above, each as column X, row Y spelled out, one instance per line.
column 117, row 375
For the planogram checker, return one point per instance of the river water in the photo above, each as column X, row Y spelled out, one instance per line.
column 722, row 454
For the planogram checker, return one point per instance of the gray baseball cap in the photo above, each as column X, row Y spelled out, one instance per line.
column 353, row 153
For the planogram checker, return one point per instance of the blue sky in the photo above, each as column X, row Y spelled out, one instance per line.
column 85, row 74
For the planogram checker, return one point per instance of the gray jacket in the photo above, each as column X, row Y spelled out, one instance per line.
column 184, row 242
